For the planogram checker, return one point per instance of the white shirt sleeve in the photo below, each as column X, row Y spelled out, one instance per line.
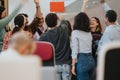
column 106, row 7
column 106, row 38
column 74, row 45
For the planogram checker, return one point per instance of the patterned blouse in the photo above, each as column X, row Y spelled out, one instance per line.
column 8, row 36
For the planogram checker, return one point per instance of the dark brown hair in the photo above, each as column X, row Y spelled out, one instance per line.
column 82, row 22
column 99, row 27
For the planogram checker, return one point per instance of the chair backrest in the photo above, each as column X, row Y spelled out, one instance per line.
column 20, row 68
column 45, row 51
column 50, row 72
column 109, row 62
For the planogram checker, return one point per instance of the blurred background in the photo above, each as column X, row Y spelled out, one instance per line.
column 72, row 7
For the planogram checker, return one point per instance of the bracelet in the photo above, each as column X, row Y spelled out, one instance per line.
column 37, row 6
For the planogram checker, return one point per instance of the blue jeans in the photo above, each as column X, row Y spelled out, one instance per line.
column 63, row 72
column 85, row 67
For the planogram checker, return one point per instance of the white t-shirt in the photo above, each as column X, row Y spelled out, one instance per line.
column 111, row 33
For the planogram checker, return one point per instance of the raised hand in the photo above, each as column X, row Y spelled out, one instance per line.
column 24, row 1
column 102, row 1
column 36, row 1
column 85, row 1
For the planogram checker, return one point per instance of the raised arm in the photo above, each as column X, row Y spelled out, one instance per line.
column 106, row 7
column 38, row 9
column 84, row 5
column 5, row 21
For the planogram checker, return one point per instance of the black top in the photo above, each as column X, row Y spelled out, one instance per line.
column 96, row 38
column 59, row 37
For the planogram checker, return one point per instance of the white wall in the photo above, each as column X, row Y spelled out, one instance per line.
column 29, row 8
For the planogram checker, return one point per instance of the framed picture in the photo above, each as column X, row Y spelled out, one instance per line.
column 5, row 4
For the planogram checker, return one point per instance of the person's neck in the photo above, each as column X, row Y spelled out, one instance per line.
column 52, row 28
column 93, row 29
column 21, row 29
column 112, row 23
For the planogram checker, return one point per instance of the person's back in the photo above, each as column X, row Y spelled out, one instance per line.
column 84, row 40
column 112, row 32
column 59, row 37
column 83, row 64
column 15, row 59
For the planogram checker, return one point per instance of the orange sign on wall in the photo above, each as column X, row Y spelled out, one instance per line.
column 57, row 7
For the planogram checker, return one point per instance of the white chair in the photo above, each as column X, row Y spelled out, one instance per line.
column 20, row 68
column 109, row 62
column 48, row 73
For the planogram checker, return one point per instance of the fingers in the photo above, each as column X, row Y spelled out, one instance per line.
column 86, row 1
column 102, row 1
column 36, row 1
column 73, row 70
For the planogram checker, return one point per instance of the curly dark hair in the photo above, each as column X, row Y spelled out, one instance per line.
column 82, row 22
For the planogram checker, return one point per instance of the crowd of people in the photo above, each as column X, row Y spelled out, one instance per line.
column 76, row 47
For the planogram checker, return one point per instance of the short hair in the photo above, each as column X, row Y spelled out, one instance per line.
column 23, row 14
column 21, row 38
column 51, row 20
column 111, row 15
column 82, row 22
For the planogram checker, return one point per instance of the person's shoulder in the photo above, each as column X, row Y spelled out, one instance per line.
column 111, row 28
column 108, row 29
column 75, row 32
column 45, row 34
column 118, row 26
column 3, row 53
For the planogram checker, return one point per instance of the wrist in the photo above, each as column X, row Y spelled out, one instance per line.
column 73, row 65
column 37, row 4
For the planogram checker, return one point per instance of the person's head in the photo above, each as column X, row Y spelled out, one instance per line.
column 51, row 20
column 19, row 23
column 111, row 17
column 82, row 22
column 22, row 43
column 95, row 24
column 26, row 18
column 3, row 12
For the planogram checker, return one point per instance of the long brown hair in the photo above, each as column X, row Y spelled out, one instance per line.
column 99, row 27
